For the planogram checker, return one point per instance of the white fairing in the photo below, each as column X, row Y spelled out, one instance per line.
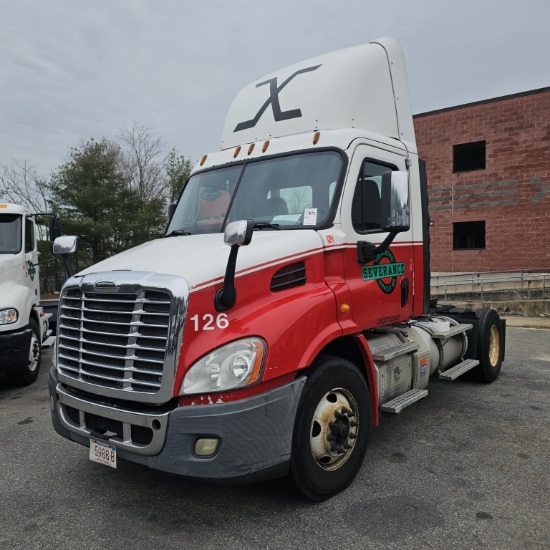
column 364, row 87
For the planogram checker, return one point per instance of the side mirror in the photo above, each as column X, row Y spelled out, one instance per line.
column 236, row 234
column 395, row 202
column 65, row 245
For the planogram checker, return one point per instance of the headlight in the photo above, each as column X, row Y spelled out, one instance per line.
column 234, row 365
column 8, row 316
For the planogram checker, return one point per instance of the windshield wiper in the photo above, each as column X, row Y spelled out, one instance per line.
column 266, row 225
column 177, row 233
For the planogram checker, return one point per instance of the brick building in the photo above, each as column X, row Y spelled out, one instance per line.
column 488, row 166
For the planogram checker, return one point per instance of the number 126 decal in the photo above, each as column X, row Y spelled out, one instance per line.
column 209, row 322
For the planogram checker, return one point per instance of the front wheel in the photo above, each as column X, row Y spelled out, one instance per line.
column 332, row 429
column 29, row 370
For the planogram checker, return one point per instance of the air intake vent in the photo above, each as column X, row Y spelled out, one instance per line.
column 289, row 277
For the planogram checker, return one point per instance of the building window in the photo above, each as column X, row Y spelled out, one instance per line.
column 469, row 156
column 468, row 235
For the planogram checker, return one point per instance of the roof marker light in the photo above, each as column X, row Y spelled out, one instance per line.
column 237, row 151
column 203, row 159
column 266, row 145
column 251, row 148
column 316, row 137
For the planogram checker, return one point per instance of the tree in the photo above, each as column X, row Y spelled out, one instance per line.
column 92, row 195
column 142, row 161
column 21, row 184
column 178, row 169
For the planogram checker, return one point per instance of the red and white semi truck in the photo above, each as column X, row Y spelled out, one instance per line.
column 276, row 356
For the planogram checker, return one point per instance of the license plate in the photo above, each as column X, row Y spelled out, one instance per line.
column 102, row 454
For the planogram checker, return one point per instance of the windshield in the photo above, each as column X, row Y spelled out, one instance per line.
column 10, row 233
column 295, row 191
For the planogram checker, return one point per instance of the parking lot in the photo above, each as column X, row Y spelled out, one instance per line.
column 467, row 467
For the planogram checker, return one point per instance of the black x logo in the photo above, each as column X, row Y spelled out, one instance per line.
column 273, row 99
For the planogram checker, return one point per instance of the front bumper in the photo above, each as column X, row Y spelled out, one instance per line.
column 255, row 434
column 15, row 350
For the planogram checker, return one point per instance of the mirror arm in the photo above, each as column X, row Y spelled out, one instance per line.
column 367, row 252
column 226, row 297
column 68, row 266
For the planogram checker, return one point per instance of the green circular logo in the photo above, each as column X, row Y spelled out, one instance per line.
column 386, row 258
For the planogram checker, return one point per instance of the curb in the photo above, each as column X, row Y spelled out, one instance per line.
column 527, row 322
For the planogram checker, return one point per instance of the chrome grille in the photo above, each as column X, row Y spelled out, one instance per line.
column 114, row 340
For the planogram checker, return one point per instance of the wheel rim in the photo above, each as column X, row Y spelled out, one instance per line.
column 494, row 346
column 34, row 353
column 334, row 429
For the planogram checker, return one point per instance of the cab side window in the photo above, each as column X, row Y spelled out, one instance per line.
column 29, row 235
column 366, row 206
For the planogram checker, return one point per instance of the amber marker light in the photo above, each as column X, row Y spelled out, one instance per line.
column 203, row 160
column 257, row 368
column 316, row 137
column 344, row 308
column 266, row 145
column 237, row 151
column 250, row 148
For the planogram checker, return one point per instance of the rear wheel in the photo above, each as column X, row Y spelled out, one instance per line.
column 331, row 430
column 490, row 346
column 29, row 371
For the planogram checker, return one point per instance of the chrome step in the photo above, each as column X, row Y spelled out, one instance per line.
column 397, row 404
column 453, row 331
column 48, row 342
column 454, row 372
column 396, row 351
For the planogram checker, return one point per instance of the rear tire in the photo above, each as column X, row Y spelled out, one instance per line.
column 490, row 346
column 29, row 371
column 332, row 429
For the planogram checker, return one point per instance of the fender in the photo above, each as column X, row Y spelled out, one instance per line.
column 371, row 376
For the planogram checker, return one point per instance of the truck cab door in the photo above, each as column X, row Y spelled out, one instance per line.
column 31, row 259
column 381, row 290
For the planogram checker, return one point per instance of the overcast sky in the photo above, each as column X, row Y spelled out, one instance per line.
column 71, row 69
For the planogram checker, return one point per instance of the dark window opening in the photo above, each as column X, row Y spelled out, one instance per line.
column 29, row 235
column 469, row 156
column 468, row 235
column 366, row 208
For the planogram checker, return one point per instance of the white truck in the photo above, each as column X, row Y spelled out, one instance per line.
column 24, row 327
column 277, row 359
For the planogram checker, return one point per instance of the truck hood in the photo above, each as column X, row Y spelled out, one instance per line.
column 10, row 266
column 201, row 259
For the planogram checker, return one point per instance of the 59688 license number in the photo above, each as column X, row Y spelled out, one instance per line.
column 102, row 453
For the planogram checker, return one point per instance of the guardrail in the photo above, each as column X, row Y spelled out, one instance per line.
column 530, row 286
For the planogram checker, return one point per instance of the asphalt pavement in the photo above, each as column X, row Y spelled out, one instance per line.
column 467, row 467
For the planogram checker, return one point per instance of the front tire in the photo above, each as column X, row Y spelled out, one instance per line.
column 29, row 371
column 332, row 429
